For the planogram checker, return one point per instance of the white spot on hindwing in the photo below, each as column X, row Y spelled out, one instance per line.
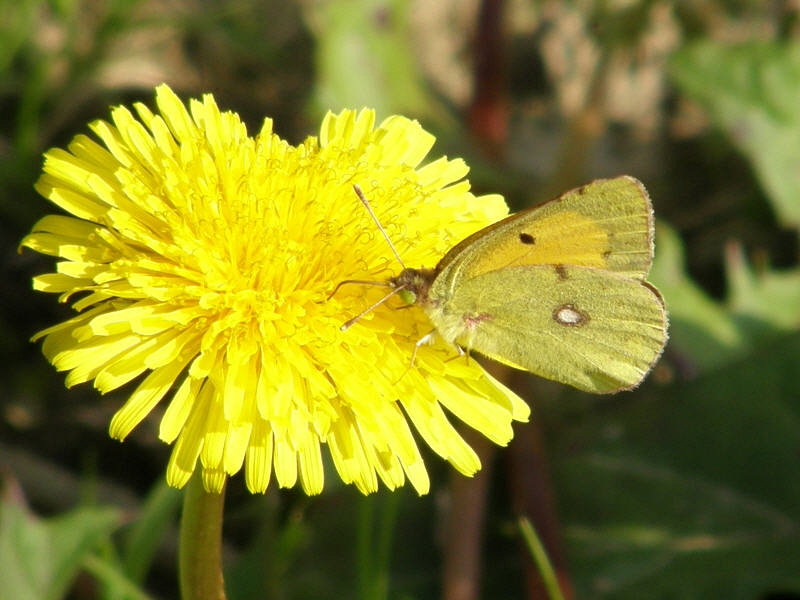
column 569, row 316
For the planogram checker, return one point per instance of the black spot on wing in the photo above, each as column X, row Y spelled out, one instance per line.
column 527, row 238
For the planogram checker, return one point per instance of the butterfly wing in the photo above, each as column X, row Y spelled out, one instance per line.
column 597, row 331
column 606, row 224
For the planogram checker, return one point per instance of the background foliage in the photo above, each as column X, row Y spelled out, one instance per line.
column 688, row 487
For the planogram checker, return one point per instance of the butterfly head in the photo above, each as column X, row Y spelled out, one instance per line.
column 412, row 285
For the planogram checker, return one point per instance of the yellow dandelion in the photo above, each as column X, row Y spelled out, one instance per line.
column 203, row 260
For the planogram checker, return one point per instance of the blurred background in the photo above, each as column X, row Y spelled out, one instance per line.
column 688, row 487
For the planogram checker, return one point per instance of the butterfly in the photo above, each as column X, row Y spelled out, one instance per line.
column 559, row 289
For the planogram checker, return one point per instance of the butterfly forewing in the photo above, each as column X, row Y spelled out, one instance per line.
column 606, row 224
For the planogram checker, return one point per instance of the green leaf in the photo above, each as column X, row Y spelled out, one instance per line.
column 700, row 328
column 365, row 57
column 690, row 491
column 761, row 305
column 763, row 301
column 142, row 541
column 117, row 585
column 41, row 557
column 752, row 91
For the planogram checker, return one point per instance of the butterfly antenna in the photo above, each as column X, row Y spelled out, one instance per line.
column 365, row 202
column 359, row 281
column 345, row 326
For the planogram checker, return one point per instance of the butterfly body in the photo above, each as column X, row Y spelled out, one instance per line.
column 558, row 290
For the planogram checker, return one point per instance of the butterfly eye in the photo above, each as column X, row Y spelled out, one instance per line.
column 408, row 296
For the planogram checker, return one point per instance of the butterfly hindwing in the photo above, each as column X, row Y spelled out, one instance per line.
column 598, row 332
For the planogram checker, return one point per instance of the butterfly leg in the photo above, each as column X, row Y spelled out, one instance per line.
column 461, row 352
column 425, row 339
column 428, row 339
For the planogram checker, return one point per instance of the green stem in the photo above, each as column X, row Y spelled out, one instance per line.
column 383, row 543
column 539, row 555
column 364, row 547
column 200, row 554
column 377, row 519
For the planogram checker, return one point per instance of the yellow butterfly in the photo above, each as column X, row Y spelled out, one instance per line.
column 558, row 290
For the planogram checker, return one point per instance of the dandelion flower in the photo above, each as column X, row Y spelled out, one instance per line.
column 201, row 261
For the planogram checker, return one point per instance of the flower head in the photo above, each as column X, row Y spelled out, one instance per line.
column 202, row 261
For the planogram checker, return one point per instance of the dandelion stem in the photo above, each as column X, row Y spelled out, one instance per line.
column 200, row 554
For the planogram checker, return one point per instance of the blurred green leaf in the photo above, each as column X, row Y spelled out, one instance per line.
column 752, row 92
column 692, row 491
column 760, row 306
column 700, row 328
column 15, row 31
column 157, row 515
column 364, row 57
column 269, row 562
column 41, row 557
column 116, row 584
column 764, row 301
